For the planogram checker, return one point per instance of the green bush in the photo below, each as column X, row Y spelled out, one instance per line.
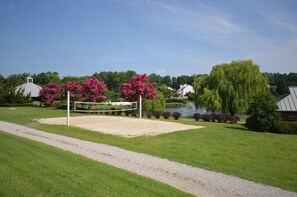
column 155, row 105
column 285, row 128
column 263, row 114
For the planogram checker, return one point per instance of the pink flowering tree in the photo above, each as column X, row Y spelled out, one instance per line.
column 50, row 92
column 93, row 90
column 138, row 85
column 74, row 89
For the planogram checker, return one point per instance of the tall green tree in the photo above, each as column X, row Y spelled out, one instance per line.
column 230, row 87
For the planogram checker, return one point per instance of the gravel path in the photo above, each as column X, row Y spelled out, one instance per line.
column 196, row 181
column 122, row 126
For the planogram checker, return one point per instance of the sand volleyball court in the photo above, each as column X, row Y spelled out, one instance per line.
column 122, row 126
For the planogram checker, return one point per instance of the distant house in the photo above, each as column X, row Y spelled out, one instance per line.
column 184, row 89
column 29, row 88
column 287, row 105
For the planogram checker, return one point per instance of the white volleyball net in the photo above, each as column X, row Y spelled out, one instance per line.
column 104, row 106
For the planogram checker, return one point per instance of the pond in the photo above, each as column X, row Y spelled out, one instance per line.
column 187, row 111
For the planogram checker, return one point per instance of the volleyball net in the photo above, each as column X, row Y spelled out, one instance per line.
column 80, row 106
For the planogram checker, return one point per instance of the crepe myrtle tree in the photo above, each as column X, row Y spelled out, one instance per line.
column 74, row 88
column 50, row 92
column 136, row 86
column 93, row 90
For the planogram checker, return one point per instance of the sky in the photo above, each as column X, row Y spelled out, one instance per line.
column 167, row 37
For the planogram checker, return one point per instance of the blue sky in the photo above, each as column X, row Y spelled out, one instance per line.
column 173, row 37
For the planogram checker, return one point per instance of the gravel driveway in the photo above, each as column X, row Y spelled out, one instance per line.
column 193, row 180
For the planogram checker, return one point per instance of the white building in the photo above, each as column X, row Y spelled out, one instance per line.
column 184, row 89
column 29, row 88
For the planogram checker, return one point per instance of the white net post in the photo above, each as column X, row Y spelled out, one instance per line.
column 140, row 106
column 68, row 108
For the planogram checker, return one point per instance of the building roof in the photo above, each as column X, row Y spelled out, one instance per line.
column 29, row 88
column 288, row 102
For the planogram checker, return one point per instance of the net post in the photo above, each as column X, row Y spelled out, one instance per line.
column 68, row 108
column 140, row 106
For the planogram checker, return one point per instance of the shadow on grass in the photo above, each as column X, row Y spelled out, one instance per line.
column 238, row 128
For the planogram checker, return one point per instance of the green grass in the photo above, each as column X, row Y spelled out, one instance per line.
column 262, row 157
column 30, row 168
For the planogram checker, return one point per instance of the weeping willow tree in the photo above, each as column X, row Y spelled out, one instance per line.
column 229, row 87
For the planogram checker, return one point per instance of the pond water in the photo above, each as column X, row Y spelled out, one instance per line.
column 186, row 111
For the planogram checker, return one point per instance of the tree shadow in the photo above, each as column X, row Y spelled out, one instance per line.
column 238, row 128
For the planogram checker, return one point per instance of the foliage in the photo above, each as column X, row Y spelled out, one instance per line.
column 50, row 92
column 206, row 117
column 263, row 114
column 158, row 104
column 93, row 90
column 196, row 116
column 112, row 95
column 114, row 80
column 229, row 87
column 286, row 128
column 127, row 113
column 165, row 90
column 46, row 78
column 166, row 114
column 149, row 114
column 176, row 115
column 279, row 82
column 136, row 86
column 157, row 114
column 176, row 100
column 74, row 88
column 135, row 113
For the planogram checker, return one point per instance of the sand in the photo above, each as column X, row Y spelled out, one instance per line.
column 122, row 126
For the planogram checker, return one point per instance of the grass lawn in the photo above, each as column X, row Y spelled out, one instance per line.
column 262, row 157
column 30, row 168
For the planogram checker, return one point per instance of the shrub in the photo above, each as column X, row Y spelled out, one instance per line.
column 127, row 113
column 113, row 112
column 118, row 113
column 176, row 95
column 135, row 113
column 227, row 117
column 234, row 119
column 220, row 117
column 285, row 128
column 213, row 117
column 158, row 104
column 263, row 114
column 175, row 100
column 149, row 114
column 157, row 114
column 166, row 114
column 176, row 115
column 196, row 116
column 206, row 117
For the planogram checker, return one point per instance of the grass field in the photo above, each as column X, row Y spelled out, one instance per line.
column 29, row 168
column 262, row 157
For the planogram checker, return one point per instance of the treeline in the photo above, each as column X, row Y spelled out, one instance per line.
column 278, row 82
column 112, row 79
